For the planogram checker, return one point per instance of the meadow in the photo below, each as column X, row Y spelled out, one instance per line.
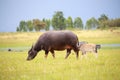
column 15, row 67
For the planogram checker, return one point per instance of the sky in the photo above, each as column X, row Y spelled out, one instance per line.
column 13, row 11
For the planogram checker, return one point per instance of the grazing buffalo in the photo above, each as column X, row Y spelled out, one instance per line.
column 88, row 47
column 55, row 40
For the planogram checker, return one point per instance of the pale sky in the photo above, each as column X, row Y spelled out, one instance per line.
column 13, row 11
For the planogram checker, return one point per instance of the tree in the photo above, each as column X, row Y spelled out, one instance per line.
column 103, row 17
column 78, row 23
column 92, row 23
column 102, row 21
column 22, row 26
column 47, row 22
column 30, row 25
column 38, row 25
column 18, row 29
column 69, row 22
column 113, row 22
column 58, row 21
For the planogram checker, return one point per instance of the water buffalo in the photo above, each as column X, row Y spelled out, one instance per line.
column 55, row 40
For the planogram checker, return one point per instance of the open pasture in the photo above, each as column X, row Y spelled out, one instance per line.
column 27, row 39
column 13, row 65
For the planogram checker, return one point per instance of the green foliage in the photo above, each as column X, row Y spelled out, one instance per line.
column 38, row 25
column 78, row 23
column 103, row 17
column 105, row 22
column 58, row 21
column 18, row 29
column 48, row 23
column 92, row 23
column 113, row 22
column 30, row 25
column 102, row 21
column 69, row 22
column 22, row 26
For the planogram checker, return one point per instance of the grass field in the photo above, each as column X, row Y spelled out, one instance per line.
column 27, row 39
column 15, row 67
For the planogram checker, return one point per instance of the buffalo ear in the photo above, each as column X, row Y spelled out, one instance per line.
column 78, row 44
column 32, row 45
column 31, row 48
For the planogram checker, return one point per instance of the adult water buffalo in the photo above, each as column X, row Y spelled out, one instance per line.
column 55, row 40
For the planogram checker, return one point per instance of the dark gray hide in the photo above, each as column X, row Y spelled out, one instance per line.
column 55, row 40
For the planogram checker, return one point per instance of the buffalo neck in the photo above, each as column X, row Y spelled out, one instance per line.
column 37, row 47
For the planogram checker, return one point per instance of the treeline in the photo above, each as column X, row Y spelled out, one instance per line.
column 33, row 25
column 59, row 22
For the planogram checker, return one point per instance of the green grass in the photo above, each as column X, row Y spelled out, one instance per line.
column 15, row 67
column 27, row 39
column 99, row 37
column 18, row 39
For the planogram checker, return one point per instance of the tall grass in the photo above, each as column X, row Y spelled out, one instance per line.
column 18, row 39
column 15, row 67
column 98, row 36
column 27, row 39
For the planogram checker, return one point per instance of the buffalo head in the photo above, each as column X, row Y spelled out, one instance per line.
column 31, row 54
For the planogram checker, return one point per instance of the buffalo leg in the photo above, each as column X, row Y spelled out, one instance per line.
column 95, row 51
column 68, row 53
column 76, row 50
column 46, row 54
column 77, row 54
column 53, row 54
